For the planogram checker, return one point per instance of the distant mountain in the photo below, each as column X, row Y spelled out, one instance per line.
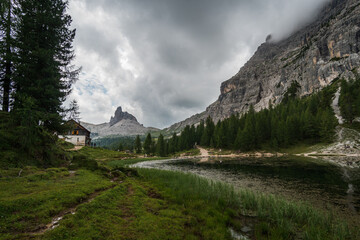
column 123, row 124
column 120, row 115
column 315, row 56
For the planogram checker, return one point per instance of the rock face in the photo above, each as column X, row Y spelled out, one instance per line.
column 123, row 124
column 120, row 115
column 315, row 56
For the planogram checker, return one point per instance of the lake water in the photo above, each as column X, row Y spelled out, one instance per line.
column 323, row 184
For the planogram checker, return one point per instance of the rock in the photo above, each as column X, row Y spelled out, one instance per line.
column 120, row 115
column 315, row 56
column 246, row 229
column 123, row 124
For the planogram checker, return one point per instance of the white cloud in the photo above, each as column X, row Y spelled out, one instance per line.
column 164, row 60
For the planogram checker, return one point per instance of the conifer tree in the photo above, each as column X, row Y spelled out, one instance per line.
column 6, row 51
column 43, row 70
column 138, row 144
column 160, row 146
column 199, row 132
column 173, row 144
column 73, row 111
column 148, row 144
column 208, row 132
column 348, row 99
column 328, row 122
column 237, row 143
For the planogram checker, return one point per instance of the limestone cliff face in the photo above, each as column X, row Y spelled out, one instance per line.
column 120, row 115
column 314, row 56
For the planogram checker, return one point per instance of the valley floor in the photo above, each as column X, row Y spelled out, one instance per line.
column 114, row 202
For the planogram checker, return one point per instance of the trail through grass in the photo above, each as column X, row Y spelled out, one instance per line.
column 31, row 200
column 151, row 204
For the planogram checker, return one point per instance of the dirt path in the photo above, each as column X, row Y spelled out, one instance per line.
column 203, row 152
column 56, row 220
column 76, row 148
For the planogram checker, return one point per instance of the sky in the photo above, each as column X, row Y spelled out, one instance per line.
column 164, row 60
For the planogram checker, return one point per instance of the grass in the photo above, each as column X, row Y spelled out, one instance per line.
column 31, row 200
column 153, row 204
column 104, row 154
column 137, row 210
column 303, row 147
column 191, row 152
column 276, row 217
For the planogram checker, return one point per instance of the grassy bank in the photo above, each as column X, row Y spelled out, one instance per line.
column 137, row 210
column 152, row 204
column 272, row 217
column 102, row 154
column 29, row 198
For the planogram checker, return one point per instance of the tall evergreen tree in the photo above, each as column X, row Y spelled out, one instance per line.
column 148, row 144
column 208, row 132
column 160, row 146
column 73, row 111
column 6, row 51
column 328, row 122
column 349, row 99
column 138, row 144
column 43, row 70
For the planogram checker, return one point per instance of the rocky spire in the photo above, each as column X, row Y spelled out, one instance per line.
column 120, row 115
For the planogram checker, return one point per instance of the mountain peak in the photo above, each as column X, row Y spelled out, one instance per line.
column 120, row 115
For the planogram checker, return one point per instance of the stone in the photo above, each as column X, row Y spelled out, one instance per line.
column 122, row 124
column 246, row 229
column 314, row 56
column 120, row 115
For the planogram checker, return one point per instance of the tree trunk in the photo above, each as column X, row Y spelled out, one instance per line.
column 7, row 77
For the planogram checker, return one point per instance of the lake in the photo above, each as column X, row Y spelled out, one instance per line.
column 324, row 184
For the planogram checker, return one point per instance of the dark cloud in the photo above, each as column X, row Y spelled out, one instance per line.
column 164, row 60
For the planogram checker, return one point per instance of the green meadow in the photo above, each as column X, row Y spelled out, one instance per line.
column 110, row 201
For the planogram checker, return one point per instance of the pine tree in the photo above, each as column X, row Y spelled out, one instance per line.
column 73, row 111
column 237, row 143
column 328, row 122
column 160, row 146
column 199, row 132
column 138, row 144
column 349, row 99
column 208, row 132
column 291, row 92
column 248, row 137
column 43, row 70
column 6, row 51
column 173, row 144
column 148, row 144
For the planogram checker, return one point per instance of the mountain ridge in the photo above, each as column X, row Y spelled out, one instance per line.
column 325, row 50
column 121, row 124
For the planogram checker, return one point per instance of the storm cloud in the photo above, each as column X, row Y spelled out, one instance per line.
column 164, row 60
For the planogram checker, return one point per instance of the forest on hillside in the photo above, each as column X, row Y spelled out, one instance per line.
column 310, row 119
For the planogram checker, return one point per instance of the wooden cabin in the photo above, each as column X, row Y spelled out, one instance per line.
column 77, row 135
